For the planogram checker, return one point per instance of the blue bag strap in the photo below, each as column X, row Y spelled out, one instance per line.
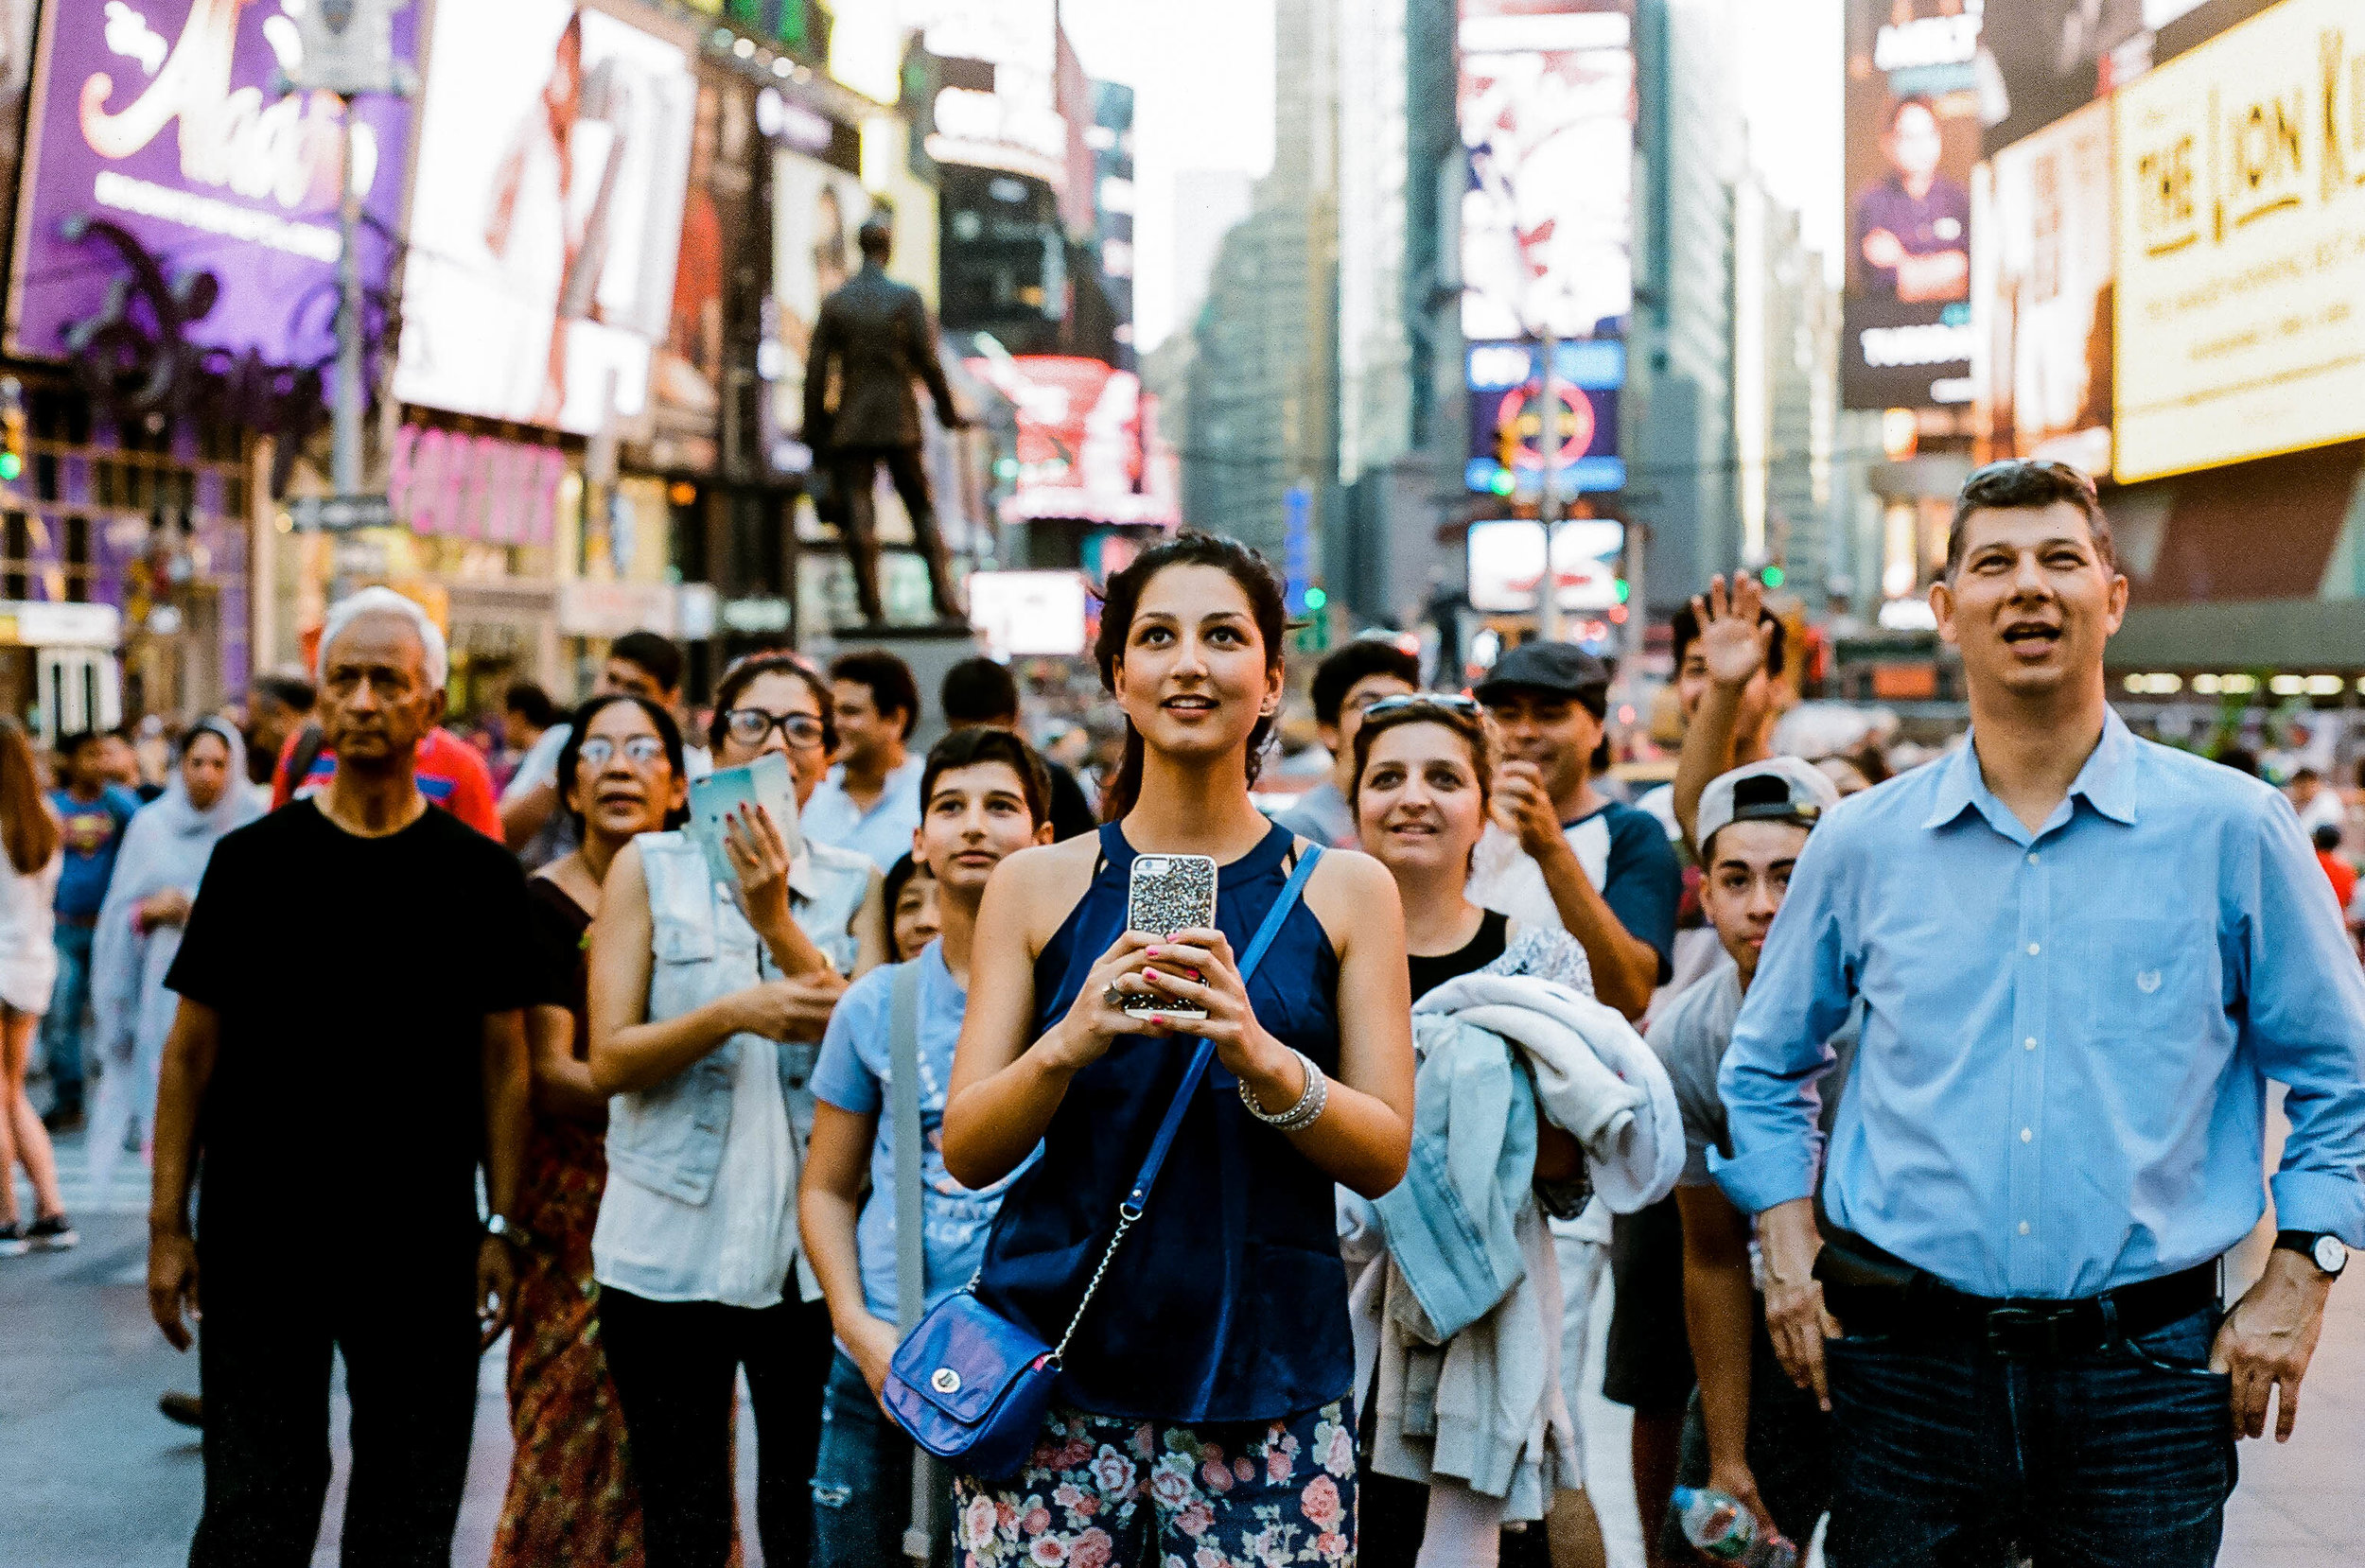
column 1291, row 891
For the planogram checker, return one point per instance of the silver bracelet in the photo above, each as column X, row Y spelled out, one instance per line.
column 1309, row 1104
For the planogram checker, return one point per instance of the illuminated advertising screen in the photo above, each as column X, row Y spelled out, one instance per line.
column 686, row 378
column 2041, row 256
column 1017, row 123
column 816, row 209
column 1080, row 439
column 554, row 145
column 1508, row 426
column 1507, row 564
column 161, row 118
column 2241, row 244
column 1547, row 105
column 1025, row 614
column 1913, row 134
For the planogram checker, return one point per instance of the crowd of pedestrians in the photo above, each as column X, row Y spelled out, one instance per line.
column 1900, row 1126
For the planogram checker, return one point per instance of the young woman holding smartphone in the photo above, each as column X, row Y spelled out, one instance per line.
column 1203, row 1405
column 706, row 1003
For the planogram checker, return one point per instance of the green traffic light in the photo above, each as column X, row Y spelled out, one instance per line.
column 1504, row 481
column 1624, row 589
column 1316, row 598
column 1005, row 468
column 10, row 466
column 1771, row 577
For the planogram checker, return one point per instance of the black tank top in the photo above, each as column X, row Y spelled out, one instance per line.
column 1481, row 951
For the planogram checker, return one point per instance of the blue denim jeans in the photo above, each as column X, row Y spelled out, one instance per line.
column 1949, row 1454
column 862, row 1481
column 69, row 1000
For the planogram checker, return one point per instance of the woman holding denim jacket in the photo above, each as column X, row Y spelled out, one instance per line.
column 1203, row 1405
column 706, row 1003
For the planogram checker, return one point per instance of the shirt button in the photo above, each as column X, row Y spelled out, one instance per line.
column 2033, row 949
column 2029, row 1044
column 2025, row 1135
column 2024, row 1228
column 2032, row 857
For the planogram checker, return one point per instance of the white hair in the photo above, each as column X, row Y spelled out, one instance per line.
column 376, row 601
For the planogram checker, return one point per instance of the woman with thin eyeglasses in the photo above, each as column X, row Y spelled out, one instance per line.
column 707, row 1003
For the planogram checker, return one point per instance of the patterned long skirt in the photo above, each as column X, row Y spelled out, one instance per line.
column 570, row 1497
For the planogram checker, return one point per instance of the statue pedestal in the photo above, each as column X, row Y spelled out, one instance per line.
column 929, row 649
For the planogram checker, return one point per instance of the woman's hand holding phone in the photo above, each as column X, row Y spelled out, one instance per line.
column 1098, row 1019
column 1241, row 1043
column 760, row 855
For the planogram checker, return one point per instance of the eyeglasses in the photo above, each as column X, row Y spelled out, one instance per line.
column 749, row 725
column 643, row 751
column 1448, row 702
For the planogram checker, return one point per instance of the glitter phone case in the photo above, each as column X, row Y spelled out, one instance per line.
column 1167, row 893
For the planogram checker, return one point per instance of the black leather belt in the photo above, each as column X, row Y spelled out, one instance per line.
column 2024, row 1326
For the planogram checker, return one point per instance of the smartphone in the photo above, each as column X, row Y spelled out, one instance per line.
column 1167, row 893
column 764, row 782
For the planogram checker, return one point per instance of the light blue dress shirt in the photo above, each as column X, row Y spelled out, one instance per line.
column 884, row 833
column 2067, row 1035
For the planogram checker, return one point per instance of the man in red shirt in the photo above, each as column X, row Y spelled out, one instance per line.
column 2343, row 875
column 451, row 772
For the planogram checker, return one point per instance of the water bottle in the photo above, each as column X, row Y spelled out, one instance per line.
column 1728, row 1531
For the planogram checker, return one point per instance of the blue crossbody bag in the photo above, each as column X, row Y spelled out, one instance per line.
column 969, row 1386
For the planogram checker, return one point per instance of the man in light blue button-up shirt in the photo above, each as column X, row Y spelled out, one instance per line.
column 2082, row 956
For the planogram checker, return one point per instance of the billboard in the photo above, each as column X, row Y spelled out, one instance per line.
column 164, row 121
column 1080, row 439
column 1507, row 564
column 1547, row 108
column 1016, row 124
column 686, row 377
column 2241, row 244
column 1509, row 427
column 816, row 209
column 1913, row 134
column 1028, row 614
column 553, row 150
column 2041, row 257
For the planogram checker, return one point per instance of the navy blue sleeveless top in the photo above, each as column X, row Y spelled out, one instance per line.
column 1228, row 1301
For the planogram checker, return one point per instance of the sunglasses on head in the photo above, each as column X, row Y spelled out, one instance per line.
column 1444, row 702
column 1992, row 474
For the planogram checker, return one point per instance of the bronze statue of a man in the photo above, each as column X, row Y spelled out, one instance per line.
column 875, row 334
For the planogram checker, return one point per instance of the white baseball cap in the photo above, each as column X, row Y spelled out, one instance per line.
column 1780, row 788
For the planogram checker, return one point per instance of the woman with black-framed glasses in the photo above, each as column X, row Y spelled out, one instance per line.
column 707, row 1003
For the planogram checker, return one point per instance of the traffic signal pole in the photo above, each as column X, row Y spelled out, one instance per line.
column 347, row 454
column 1548, row 591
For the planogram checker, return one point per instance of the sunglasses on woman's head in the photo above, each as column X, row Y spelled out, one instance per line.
column 1447, row 701
column 749, row 725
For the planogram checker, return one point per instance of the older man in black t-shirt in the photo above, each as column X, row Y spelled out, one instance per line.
column 350, row 1047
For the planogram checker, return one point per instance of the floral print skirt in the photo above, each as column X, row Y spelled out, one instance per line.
column 1101, row 1489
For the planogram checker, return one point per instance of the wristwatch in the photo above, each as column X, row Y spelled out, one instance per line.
column 518, row 1236
column 2327, row 1252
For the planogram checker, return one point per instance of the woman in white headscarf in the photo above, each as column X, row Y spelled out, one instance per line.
column 157, row 870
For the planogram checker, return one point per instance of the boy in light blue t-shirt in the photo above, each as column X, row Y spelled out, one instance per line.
column 985, row 796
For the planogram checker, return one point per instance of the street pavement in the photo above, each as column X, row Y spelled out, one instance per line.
column 91, row 1475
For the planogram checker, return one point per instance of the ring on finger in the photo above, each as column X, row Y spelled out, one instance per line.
column 1113, row 995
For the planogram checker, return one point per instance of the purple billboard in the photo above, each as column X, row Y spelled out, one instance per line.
column 161, row 118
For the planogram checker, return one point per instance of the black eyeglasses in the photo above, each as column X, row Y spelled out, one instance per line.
column 1448, row 702
column 643, row 751
column 749, row 725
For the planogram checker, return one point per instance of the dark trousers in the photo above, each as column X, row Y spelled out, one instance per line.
column 69, row 1005
column 411, row 1372
column 1789, row 1450
column 1950, row 1456
column 676, row 1366
column 852, row 471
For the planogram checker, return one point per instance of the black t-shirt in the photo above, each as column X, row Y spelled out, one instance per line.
column 352, row 977
column 1475, row 954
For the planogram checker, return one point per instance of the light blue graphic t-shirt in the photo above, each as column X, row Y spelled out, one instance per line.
column 853, row 1074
